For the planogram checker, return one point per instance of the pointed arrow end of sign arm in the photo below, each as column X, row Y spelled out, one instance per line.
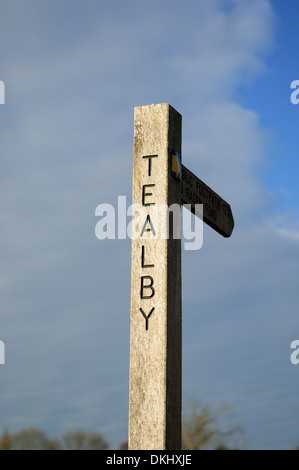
column 231, row 225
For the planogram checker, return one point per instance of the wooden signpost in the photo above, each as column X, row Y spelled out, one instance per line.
column 160, row 179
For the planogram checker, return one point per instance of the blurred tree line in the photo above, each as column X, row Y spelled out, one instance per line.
column 35, row 439
column 204, row 427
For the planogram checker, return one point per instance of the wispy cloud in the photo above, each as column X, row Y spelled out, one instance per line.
column 291, row 235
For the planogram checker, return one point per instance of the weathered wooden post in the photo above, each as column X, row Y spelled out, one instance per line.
column 160, row 180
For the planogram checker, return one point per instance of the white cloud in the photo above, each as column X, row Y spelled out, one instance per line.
column 291, row 235
column 224, row 47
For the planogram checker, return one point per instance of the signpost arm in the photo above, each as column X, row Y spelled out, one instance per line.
column 217, row 213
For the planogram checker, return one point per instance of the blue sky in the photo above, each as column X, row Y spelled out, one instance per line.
column 268, row 97
column 73, row 72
